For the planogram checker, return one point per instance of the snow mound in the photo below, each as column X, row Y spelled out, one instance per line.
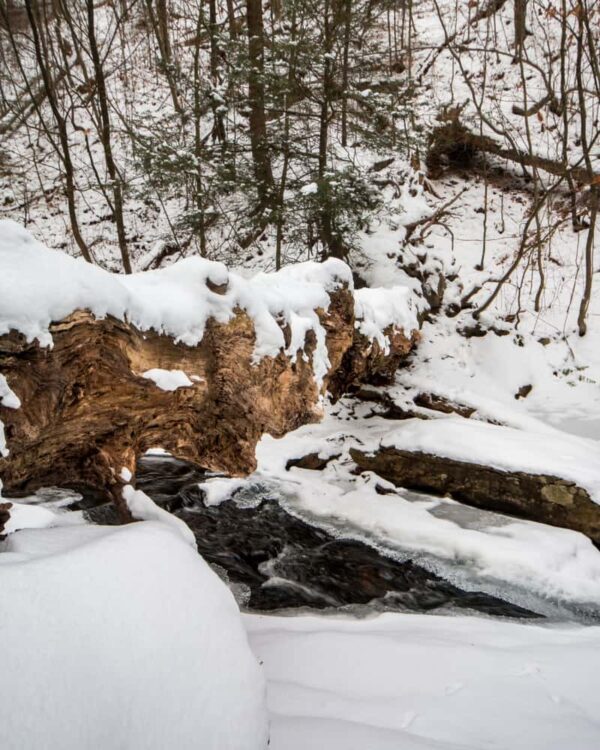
column 377, row 310
column 39, row 286
column 25, row 516
column 143, row 508
column 122, row 637
column 504, row 448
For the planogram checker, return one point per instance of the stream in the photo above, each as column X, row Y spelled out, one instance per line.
column 275, row 561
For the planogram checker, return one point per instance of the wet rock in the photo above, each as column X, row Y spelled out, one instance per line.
column 4, row 515
column 312, row 461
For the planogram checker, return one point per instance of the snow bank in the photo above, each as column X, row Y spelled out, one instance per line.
column 504, row 448
column 548, row 569
column 378, row 309
column 143, row 508
column 122, row 638
column 424, row 682
column 24, row 516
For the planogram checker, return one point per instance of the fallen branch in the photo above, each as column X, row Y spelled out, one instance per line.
column 454, row 141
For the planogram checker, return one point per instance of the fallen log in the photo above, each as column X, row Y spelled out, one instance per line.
column 536, row 497
column 455, row 142
column 108, row 389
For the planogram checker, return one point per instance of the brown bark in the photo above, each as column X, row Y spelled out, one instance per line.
column 86, row 411
column 454, row 141
column 536, row 497
column 365, row 361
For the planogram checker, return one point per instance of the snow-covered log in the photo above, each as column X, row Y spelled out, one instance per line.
column 542, row 477
column 192, row 359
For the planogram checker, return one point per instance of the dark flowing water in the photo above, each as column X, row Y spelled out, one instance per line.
column 276, row 561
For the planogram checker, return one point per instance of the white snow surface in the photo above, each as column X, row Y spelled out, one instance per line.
column 505, row 448
column 122, row 637
column 378, row 309
column 143, row 508
column 167, row 380
column 26, row 516
column 39, row 286
column 425, row 682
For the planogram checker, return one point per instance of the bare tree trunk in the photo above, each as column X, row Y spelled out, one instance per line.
column 198, row 139
column 256, row 91
column 162, row 16
column 160, row 25
column 218, row 126
column 347, row 28
column 520, row 20
column 584, row 34
column 63, row 151
column 231, row 20
column 106, row 139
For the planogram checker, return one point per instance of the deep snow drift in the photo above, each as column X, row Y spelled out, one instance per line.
column 121, row 637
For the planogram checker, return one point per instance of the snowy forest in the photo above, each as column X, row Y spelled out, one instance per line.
column 299, row 374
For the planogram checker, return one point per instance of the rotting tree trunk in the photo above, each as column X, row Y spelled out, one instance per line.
column 86, row 412
column 366, row 361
